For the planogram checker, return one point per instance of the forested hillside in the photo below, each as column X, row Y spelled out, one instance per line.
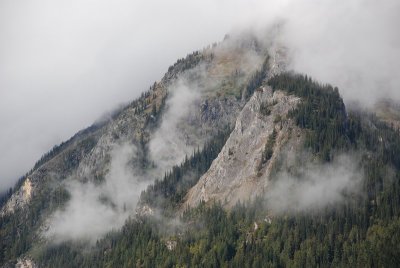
column 128, row 150
column 360, row 232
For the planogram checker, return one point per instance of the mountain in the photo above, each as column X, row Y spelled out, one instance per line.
column 228, row 160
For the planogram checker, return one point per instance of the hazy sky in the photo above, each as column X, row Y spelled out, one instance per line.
column 65, row 63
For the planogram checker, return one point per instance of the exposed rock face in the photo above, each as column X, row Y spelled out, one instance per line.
column 171, row 244
column 218, row 73
column 19, row 199
column 127, row 127
column 60, row 165
column 25, row 262
column 208, row 116
column 145, row 210
column 389, row 112
column 278, row 60
column 237, row 173
column 216, row 76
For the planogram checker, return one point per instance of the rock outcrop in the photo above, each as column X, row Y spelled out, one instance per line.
column 238, row 173
column 217, row 74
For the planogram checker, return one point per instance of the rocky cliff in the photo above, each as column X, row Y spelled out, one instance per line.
column 217, row 128
column 238, row 173
column 198, row 96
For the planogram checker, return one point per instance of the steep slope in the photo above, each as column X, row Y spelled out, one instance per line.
column 205, row 150
column 360, row 230
column 238, row 173
column 389, row 112
column 54, row 166
column 198, row 96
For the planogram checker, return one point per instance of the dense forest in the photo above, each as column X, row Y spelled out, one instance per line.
column 361, row 232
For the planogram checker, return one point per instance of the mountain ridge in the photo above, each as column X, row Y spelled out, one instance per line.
column 194, row 164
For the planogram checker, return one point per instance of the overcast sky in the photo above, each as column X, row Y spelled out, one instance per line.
column 65, row 63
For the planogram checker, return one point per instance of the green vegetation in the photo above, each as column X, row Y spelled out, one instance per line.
column 322, row 111
column 169, row 192
column 16, row 235
column 213, row 237
column 18, row 231
column 265, row 109
column 256, row 80
column 269, row 147
column 189, row 62
column 361, row 232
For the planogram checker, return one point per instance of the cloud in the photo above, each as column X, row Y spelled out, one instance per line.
column 93, row 210
column 315, row 186
column 352, row 44
column 64, row 64
column 169, row 145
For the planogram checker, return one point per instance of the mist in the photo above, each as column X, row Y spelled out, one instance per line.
column 354, row 45
column 64, row 64
column 168, row 146
column 93, row 210
column 315, row 186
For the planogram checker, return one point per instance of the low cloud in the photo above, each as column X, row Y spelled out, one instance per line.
column 93, row 210
column 315, row 187
column 169, row 145
column 64, row 63
column 352, row 44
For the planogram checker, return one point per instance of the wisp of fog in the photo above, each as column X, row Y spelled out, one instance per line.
column 94, row 210
column 64, row 63
column 168, row 146
column 315, row 186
